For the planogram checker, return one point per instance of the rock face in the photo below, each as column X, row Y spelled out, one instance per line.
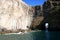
column 15, row 14
column 51, row 15
column 51, row 12
column 38, row 17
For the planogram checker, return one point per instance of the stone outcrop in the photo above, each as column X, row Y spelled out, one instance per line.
column 14, row 15
column 38, row 17
column 51, row 13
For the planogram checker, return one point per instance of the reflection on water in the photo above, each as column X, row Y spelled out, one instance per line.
column 47, row 34
column 46, row 30
column 37, row 35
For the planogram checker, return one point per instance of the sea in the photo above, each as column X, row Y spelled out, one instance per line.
column 34, row 35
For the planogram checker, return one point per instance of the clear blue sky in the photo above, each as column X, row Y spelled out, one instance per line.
column 34, row 2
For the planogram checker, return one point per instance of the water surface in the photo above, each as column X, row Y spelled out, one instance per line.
column 37, row 35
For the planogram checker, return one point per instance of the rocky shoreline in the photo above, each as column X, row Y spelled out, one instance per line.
column 17, row 31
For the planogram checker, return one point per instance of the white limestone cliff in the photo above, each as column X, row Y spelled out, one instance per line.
column 15, row 14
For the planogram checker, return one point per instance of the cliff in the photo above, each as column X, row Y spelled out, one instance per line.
column 15, row 15
column 37, row 18
column 51, row 12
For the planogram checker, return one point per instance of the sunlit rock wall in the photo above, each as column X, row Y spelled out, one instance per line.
column 15, row 14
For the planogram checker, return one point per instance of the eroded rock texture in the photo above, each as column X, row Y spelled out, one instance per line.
column 51, row 12
column 15, row 14
column 38, row 17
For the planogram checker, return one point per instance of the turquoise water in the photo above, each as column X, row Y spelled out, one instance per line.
column 38, row 35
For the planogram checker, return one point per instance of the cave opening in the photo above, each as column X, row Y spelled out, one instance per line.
column 46, row 26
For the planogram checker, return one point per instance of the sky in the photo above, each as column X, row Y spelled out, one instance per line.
column 34, row 2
